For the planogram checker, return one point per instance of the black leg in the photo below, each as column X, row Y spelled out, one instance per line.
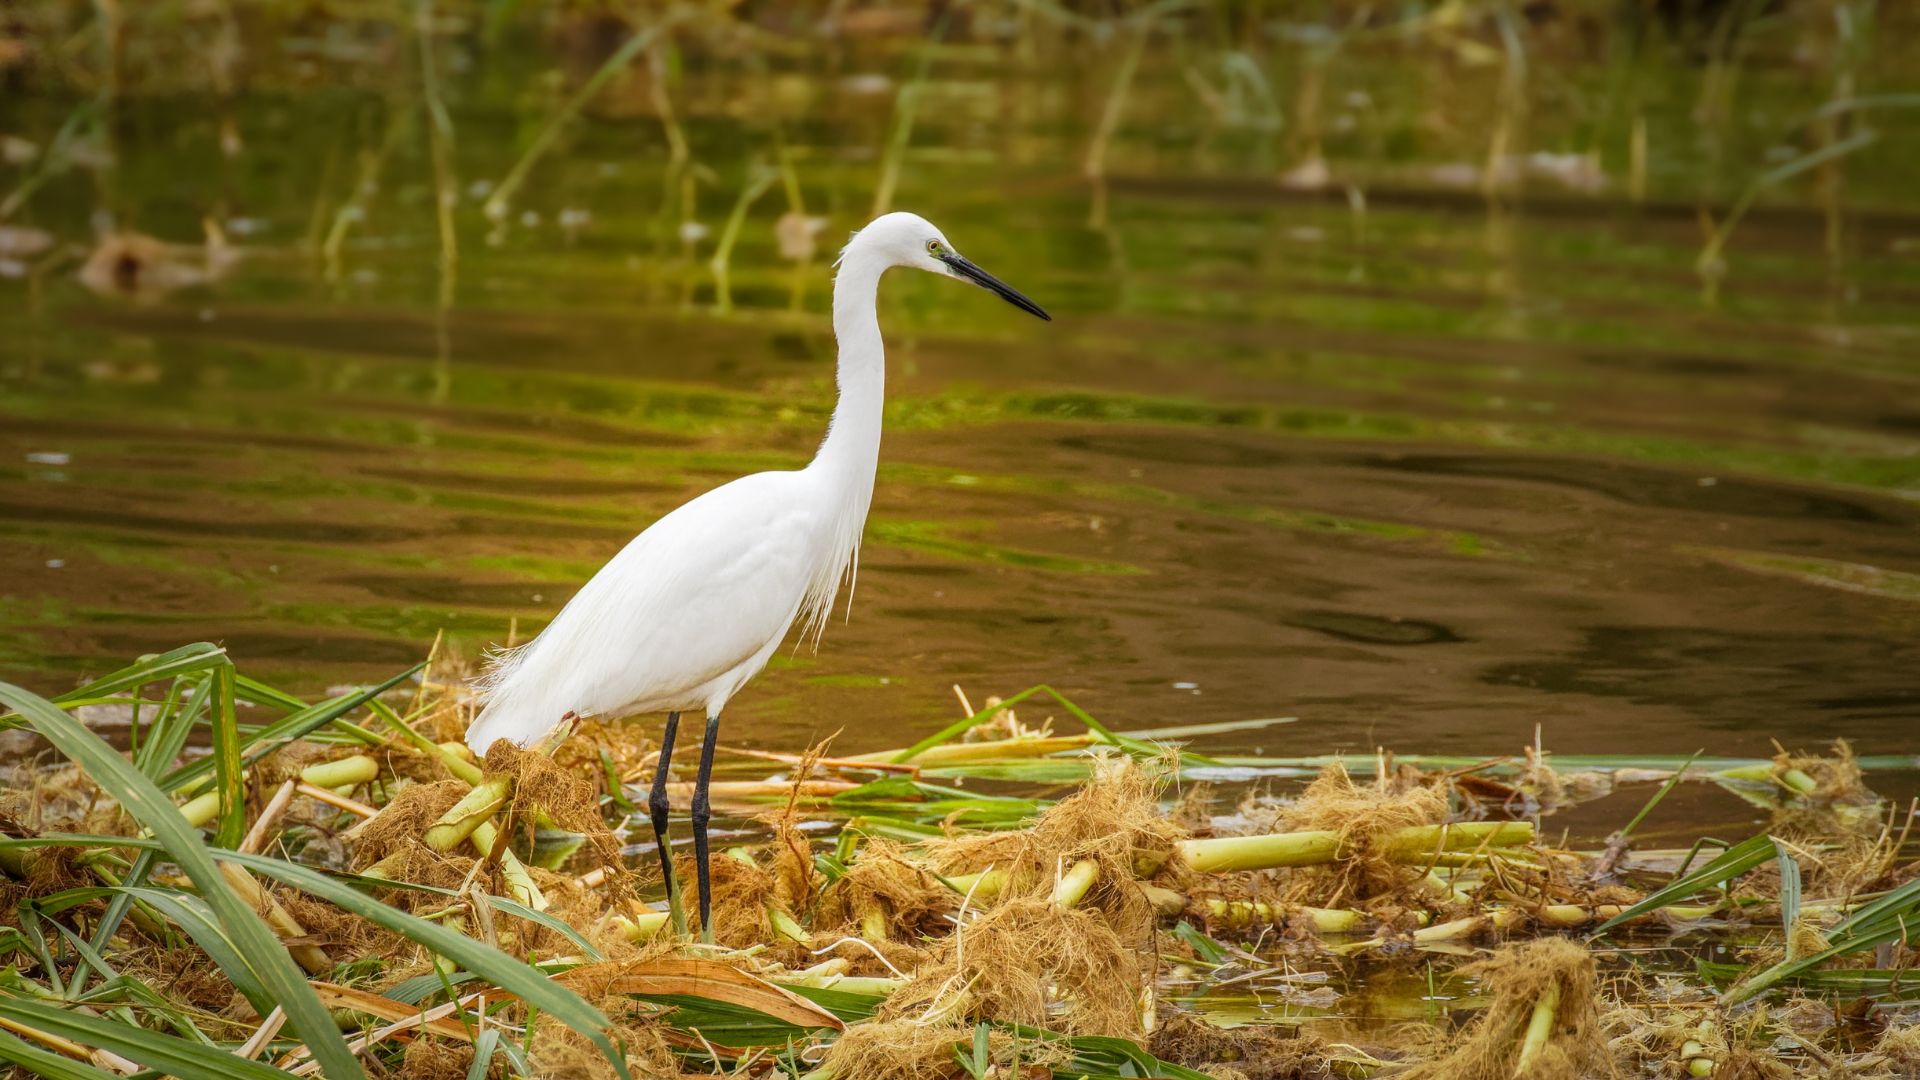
column 701, row 815
column 657, row 809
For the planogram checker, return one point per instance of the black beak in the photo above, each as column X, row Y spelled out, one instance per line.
column 992, row 284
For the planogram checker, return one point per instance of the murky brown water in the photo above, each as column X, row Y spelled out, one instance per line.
column 1425, row 474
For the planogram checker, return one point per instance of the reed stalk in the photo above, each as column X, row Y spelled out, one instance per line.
column 1510, row 111
column 354, row 210
column 1167, row 902
column 202, row 808
column 311, row 957
column 786, row 927
column 1418, row 845
column 440, row 148
column 486, row 841
column 469, row 814
column 642, row 927
column 757, row 185
column 1073, row 885
column 993, row 750
column 1244, row 913
column 500, row 200
column 1094, row 166
column 1637, row 160
column 1539, row 1029
column 346, row 772
column 906, row 105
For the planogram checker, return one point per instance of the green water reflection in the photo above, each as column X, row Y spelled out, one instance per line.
column 1422, row 450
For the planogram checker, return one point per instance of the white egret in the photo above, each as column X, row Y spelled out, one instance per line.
column 695, row 605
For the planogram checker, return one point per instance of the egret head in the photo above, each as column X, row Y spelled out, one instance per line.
column 904, row 239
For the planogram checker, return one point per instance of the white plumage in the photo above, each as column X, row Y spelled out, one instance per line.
column 693, row 607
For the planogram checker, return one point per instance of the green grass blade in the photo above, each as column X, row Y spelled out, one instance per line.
column 844, row 1004
column 522, row 911
column 89, row 959
column 315, row 717
column 1789, row 887
column 417, row 989
column 1189, row 731
column 167, row 1053
column 168, row 735
column 18, row 1051
column 184, row 660
column 958, row 728
column 232, row 821
column 1060, row 770
column 1732, row 862
column 288, row 728
column 28, row 913
column 195, row 919
column 1210, row 950
column 1134, row 746
column 121, row 903
column 151, row 807
column 1093, row 725
column 1672, row 782
column 489, row 963
column 261, row 694
column 483, row 1051
column 1893, row 917
column 1104, row 1056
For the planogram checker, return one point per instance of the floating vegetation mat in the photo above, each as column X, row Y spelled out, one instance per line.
column 344, row 891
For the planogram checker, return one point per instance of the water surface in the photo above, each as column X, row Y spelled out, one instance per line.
column 1422, row 466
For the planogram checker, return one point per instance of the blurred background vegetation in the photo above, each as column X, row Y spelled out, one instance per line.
column 1474, row 361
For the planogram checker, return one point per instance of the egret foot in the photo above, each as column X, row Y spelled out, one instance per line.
column 701, row 814
column 657, row 810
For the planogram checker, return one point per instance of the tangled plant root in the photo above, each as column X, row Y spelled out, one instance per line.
column 741, row 892
column 390, row 847
column 1194, row 810
column 912, row 1050
column 1030, row 961
column 543, row 786
column 285, row 763
column 403, row 821
column 561, row 1053
column 1252, row 1050
column 1899, row 1050
column 883, row 886
column 431, row 1059
column 626, row 743
column 896, row 1050
column 1363, row 817
column 1836, row 780
column 53, row 871
column 344, row 935
column 1550, row 979
column 181, row 974
column 795, row 884
column 1114, row 821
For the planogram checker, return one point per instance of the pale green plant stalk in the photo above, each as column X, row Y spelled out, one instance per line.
column 1094, row 167
column 501, row 199
column 761, row 179
column 905, row 105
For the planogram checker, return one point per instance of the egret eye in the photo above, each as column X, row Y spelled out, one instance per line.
column 933, row 247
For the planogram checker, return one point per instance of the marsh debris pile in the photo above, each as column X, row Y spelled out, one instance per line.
column 349, row 862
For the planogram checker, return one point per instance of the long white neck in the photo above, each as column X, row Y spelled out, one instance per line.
column 850, row 455
column 852, row 447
